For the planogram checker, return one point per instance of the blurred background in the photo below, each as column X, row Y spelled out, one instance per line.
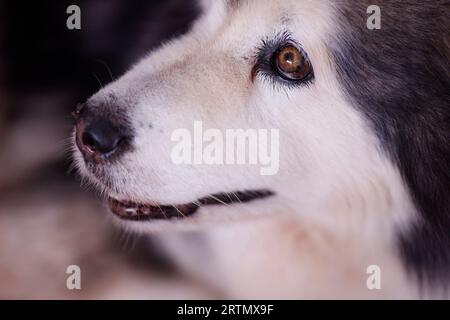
column 47, row 221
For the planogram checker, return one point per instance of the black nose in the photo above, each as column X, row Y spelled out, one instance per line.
column 102, row 137
column 99, row 138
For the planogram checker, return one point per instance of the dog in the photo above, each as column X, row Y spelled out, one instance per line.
column 359, row 207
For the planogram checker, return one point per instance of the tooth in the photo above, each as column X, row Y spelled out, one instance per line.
column 130, row 211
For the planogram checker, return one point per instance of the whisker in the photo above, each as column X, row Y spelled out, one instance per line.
column 198, row 204
column 237, row 198
column 164, row 213
column 95, row 76
column 107, row 68
column 218, row 200
column 179, row 211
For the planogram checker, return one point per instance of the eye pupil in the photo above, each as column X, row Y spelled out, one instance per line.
column 289, row 57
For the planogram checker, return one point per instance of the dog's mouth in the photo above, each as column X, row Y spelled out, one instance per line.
column 128, row 210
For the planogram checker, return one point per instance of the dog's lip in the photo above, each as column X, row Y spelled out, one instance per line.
column 129, row 210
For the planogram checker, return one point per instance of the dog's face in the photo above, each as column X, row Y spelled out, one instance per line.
column 244, row 65
column 361, row 118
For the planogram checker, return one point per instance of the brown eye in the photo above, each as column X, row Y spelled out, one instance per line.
column 292, row 64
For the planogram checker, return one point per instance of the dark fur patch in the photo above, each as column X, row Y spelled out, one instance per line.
column 399, row 77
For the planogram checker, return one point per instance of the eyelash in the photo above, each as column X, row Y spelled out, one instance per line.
column 264, row 67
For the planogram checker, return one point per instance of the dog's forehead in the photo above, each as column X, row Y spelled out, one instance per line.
column 255, row 20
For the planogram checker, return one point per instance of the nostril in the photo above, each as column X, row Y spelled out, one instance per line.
column 101, row 137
